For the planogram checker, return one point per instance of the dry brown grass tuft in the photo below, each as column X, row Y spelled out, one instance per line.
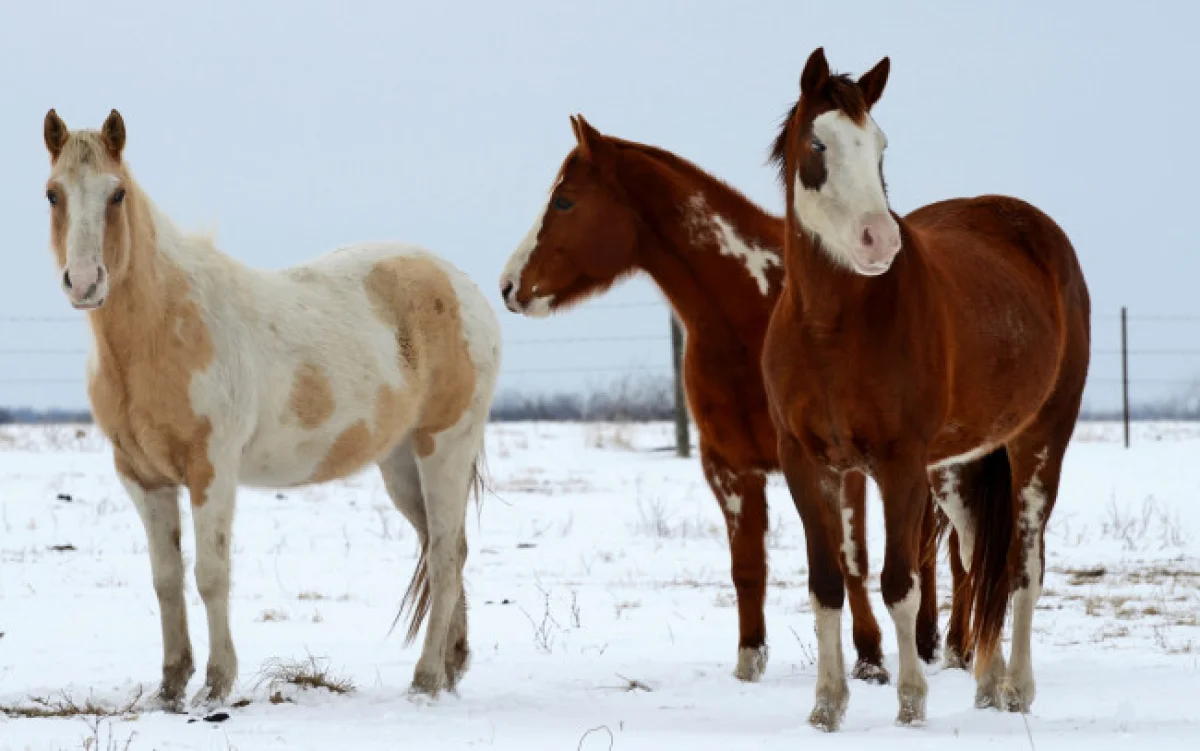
column 64, row 705
column 310, row 673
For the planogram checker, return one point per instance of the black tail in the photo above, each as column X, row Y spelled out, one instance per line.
column 986, row 489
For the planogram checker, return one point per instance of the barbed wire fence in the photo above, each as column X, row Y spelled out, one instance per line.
column 1115, row 379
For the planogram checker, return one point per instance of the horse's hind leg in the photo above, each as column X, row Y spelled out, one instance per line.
column 1036, row 457
column 743, row 500
column 447, row 474
column 402, row 479
column 957, row 654
column 927, row 615
column 867, row 637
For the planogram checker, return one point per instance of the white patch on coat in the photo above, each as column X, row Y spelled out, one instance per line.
column 946, row 491
column 538, row 307
column 1033, row 507
column 726, row 482
column 853, row 187
column 849, row 548
column 703, row 224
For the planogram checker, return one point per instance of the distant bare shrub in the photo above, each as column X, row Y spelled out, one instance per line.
column 631, row 398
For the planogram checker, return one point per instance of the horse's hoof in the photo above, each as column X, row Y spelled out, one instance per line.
column 869, row 672
column 953, row 659
column 912, row 707
column 428, row 683
column 1016, row 697
column 830, row 708
column 752, row 663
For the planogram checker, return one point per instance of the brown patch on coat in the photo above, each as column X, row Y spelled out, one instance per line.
column 414, row 297
column 312, row 396
column 150, row 336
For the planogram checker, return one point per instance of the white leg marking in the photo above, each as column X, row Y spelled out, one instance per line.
column 833, row 692
column 946, row 491
column 988, row 686
column 213, row 521
column 849, row 548
column 159, row 511
column 911, row 687
column 1020, row 691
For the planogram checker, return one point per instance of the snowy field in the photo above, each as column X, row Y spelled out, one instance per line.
column 599, row 598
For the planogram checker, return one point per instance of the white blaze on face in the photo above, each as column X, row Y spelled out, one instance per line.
column 87, row 199
column 510, row 280
column 849, row 212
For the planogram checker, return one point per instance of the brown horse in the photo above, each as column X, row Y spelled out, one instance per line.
column 619, row 207
column 950, row 346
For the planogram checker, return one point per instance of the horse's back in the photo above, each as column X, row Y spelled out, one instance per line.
column 1012, row 294
column 996, row 229
column 379, row 342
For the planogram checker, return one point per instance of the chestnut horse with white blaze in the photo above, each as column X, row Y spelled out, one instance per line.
column 949, row 347
column 206, row 374
column 619, row 207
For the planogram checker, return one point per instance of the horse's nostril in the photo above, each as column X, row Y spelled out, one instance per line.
column 506, row 290
column 67, row 279
column 99, row 274
column 867, row 238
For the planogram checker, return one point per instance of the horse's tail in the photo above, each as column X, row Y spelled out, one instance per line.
column 416, row 598
column 988, row 497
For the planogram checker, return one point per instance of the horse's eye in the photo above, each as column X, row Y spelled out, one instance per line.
column 562, row 203
column 52, row 197
column 817, row 145
column 118, row 196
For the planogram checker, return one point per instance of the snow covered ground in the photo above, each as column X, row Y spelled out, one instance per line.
column 599, row 599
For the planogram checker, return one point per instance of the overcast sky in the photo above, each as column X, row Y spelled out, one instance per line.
column 293, row 127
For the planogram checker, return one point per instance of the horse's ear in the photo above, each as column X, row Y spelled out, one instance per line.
column 113, row 134
column 590, row 139
column 873, row 81
column 816, row 73
column 54, row 131
column 575, row 128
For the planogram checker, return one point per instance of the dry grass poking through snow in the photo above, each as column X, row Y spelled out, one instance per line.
column 65, row 705
column 311, row 673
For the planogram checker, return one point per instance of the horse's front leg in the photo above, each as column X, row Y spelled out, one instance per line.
column 743, row 499
column 905, row 491
column 212, row 517
column 159, row 511
column 815, row 492
column 867, row 639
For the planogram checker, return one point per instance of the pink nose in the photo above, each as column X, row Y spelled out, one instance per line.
column 879, row 241
column 84, row 285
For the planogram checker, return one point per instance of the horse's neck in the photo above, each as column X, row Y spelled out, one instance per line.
column 153, row 283
column 828, row 294
column 704, row 247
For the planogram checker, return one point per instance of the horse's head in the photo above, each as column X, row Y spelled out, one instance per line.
column 89, row 222
column 830, row 155
column 584, row 239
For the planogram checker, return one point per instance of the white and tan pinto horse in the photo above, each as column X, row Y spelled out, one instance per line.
column 207, row 375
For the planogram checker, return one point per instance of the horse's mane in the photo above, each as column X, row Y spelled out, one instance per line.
column 678, row 164
column 840, row 92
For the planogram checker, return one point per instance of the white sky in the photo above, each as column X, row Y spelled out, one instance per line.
column 294, row 127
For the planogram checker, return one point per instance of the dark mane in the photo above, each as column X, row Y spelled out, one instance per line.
column 840, row 92
column 678, row 163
